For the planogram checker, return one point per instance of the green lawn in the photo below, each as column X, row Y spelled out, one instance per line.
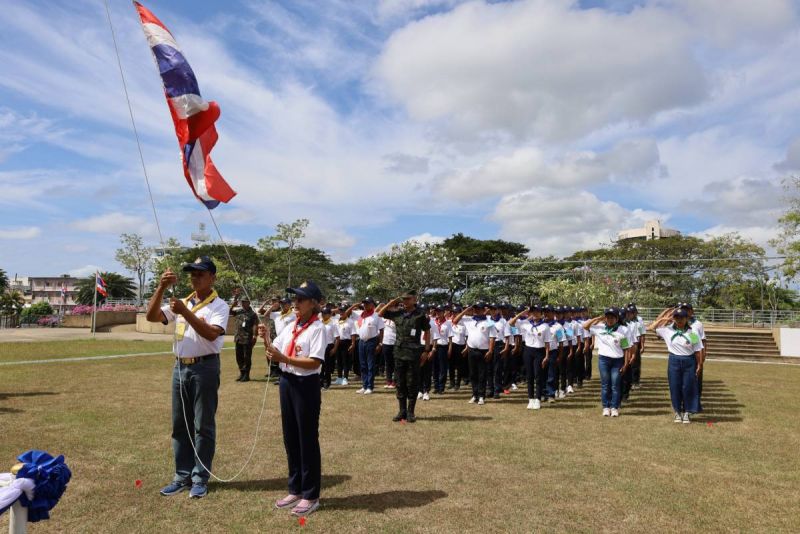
column 41, row 350
column 460, row 468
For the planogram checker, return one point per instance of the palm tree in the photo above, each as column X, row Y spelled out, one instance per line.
column 11, row 302
column 3, row 281
column 117, row 285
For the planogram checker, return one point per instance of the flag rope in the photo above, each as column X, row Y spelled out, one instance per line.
column 163, row 245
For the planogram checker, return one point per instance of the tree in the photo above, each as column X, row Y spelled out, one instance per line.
column 37, row 309
column 135, row 257
column 411, row 265
column 11, row 302
column 3, row 281
column 788, row 241
column 290, row 234
column 117, row 286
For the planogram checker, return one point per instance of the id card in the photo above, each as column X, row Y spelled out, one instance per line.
column 180, row 330
column 413, row 331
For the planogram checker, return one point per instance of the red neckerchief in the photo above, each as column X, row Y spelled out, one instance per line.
column 364, row 315
column 296, row 333
column 439, row 323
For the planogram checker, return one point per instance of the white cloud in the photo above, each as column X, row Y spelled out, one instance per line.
column 792, row 160
column 427, row 237
column 327, row 238
column 115, row 223
column 406, row 163
column 540, row 67
column 760, row 235
column 22, row 232
column 741, row 201
column 86, row 270
column 630, row 161
column 561, row 221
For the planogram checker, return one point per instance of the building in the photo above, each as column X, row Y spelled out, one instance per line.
column 23, row 285
column 59, row 291
column 651, row 230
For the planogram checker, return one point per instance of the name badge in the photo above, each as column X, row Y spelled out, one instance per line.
column 180, row 330
column 413, row 331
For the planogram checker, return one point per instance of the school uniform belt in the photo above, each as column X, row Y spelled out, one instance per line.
column 196, row 359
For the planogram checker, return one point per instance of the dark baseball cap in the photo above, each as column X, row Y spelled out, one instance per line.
column 368, row 300
column 285, row 300
column 307, row 289
column 203, row 263
column 686, row 306
column 680, row 312
column 479, row 304
column 612, row 311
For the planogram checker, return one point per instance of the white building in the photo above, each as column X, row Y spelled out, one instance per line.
column 651, row 230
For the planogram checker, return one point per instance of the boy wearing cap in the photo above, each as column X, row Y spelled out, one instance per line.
column 347, row 344
column 481, row 337
column 413, row 342
column 500, row 362
column 558, row 340
column 536, row 336
column 200, row 322
column 246, row 332
column 455, row 351
column 331, row 347
column 369, row 328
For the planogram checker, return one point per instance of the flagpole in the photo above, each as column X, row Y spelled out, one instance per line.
column 94, row 306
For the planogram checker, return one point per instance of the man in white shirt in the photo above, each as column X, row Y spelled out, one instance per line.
column 200, row 322
column 347, row 345
column 481, row 337
column 369, row 327
column 441, row 328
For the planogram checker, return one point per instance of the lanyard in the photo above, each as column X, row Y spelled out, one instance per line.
column 200, row 305
column 296, row 333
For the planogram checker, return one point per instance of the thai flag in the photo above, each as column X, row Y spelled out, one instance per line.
column 64, row 291
column 101, row 285
column 193, row 117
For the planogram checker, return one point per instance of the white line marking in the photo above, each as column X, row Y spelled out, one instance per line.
column 91, row 358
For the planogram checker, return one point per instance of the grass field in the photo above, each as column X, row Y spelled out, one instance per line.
column 460, row 468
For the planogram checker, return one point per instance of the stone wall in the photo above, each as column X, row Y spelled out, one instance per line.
column 104, row 318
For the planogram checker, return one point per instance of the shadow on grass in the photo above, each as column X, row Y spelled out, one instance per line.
column 9, row 410
column 380, row 502
column 277, row 484
column 4, row 396
column 455, row 418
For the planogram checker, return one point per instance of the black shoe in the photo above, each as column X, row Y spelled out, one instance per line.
column 245, row 378
column 399, row 417
column 241, row 375
column 412, row 418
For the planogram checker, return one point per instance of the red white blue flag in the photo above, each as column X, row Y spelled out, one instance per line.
column 101, row 284
column 194, row 118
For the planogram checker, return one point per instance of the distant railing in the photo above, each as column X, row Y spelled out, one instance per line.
column 30, row 321
column 737, row 318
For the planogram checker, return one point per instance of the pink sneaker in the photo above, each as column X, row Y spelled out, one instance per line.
column 287, row 501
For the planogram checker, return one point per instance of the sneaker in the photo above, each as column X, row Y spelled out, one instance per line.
column 506, row 392
column 367, row 391
column 288, row 501
column 614, row 412
column 606, row 412
column 198, row 491
column 387, row 385
column 551, row 400
column 302, row 510
column 426, row 396
column 531, row 404
column 686, row 420
column 562, row 394
column 173, row 488
column 537, row 404
column 636, row 386
column 514, row 387
column 481, row 402
column 677, row 418
column 338, row 382
column 392, row 385
column 344, row 382
column 361, row 391
column 570, row 390
column 472, row 400
column 419, row 395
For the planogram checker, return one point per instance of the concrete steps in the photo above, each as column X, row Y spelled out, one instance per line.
column 732, row 343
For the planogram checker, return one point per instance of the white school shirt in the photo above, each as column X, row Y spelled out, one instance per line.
column 558, row 336
column 502, row 329
column 683, row 344
column 347, row 328
column 569, row 329
column 281, row 320
column 513, row 332
column 537, row 336
column 368, row 327
column 331, row 331
column 310, row 344
column 433, row 333
column 641, row 326
column 193, row 344
column 610, row 344
column 458, row 333
column 479, row 333
column 441, row 333
column 633, row 333
column 698, row 328
column 389, row 332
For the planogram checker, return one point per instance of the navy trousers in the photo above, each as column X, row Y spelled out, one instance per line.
column 300, row 405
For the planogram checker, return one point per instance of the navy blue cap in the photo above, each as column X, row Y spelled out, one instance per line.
column 686, row 306
column 479, row 304
column 368, row 300
column 680, row 312
column 536, row 308
column 504, row 306
column 547, row 308
column 307, row 289
column 612, row 311
column 203, row 263
column 457, row 309
column 326, row 310
column 285, row 300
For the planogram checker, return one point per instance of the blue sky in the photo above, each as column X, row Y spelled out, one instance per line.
column 551, row 122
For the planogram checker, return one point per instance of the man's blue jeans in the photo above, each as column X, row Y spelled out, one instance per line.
column 610, row 381
column 200, row 386
column 681, row 373
column 366, row 357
